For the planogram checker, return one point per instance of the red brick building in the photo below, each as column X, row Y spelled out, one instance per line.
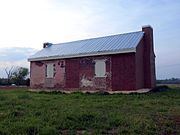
column 122, row 62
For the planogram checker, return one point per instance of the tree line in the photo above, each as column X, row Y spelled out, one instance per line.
column 169, row 81
column 16, row 76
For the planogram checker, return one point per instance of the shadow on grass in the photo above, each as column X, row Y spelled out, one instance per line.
column 160, row 88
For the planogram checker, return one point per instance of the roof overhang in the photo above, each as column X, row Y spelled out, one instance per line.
column 82, row 55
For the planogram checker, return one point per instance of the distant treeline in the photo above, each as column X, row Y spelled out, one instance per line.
column 5, row 82
column 169, row 81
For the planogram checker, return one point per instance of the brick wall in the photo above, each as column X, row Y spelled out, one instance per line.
column 123, row 71
column 38, row 74
column 72, row 73
column 59, row 78
column 80, row 73
column 140, row 65
column 149, row 58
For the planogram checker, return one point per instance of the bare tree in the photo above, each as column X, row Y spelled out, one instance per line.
column 19, row 75
column 9, row 73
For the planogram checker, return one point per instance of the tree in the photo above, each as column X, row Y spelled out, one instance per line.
column 19, row 75
column 9, row 73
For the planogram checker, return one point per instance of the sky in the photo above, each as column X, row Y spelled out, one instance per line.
column 26, row 24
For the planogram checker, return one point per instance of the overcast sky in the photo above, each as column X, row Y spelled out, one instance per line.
column 26, row 24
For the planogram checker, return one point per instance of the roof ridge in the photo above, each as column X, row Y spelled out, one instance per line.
column 98, row 37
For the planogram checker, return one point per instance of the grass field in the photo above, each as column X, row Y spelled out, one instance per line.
column 24, row 112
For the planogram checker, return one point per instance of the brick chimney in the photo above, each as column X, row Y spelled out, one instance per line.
column 149, row 57
column 46, row 44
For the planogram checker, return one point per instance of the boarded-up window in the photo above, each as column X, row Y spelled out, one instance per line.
column 100, row 68
column 49, row 70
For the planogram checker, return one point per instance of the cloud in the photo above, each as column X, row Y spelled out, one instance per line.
column 14, row 57
column 15, row 54
column 19, row 63
column 65, row 20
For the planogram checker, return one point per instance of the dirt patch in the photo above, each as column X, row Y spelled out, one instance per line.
column 169, row 125
column 113, row 131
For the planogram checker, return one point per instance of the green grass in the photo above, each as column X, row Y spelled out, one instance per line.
column 23, row 112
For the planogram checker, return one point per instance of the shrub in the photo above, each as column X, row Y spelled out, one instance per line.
column 160, row 88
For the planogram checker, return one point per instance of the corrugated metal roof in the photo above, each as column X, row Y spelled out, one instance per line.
column 120, row 43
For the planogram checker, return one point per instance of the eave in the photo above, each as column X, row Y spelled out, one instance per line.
column 82, row 55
